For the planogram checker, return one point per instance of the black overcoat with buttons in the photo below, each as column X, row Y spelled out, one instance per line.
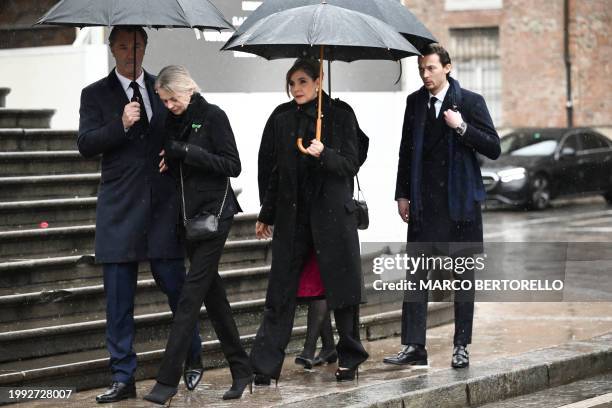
column 331, row 216
column 137, row 205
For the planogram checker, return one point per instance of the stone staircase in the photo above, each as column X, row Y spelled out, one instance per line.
column 51, row 294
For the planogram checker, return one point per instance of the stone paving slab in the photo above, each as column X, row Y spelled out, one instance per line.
column 583, row 391
column 503, row 333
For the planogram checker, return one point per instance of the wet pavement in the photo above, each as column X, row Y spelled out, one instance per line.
column 500, row 330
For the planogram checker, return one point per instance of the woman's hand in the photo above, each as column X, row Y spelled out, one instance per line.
column 163, row 167
column 176, row 150
column 263, row 230
column 315, row 148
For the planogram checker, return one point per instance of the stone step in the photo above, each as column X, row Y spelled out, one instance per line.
column 3, row 93
column 29, row 214
column 37, row 140
column 89, row 369
column 49, row 187
column 64, row 212
column 84, row 302
column 32, row 163
column 26, row 118
column 79, row 240
column 26, row 273
column 71, row 334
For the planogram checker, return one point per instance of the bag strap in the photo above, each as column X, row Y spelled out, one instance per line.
column 183, row 196
column 359, row 191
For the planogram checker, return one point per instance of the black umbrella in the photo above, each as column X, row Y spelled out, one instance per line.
column 323, row 31
column 391, row 12
column 200, row 14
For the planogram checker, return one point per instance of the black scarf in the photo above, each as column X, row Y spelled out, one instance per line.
column 177, row 126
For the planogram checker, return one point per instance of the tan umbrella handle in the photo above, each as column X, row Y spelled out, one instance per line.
column 299, row 143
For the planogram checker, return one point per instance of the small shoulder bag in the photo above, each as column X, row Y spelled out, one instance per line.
column 203, row 226
column 363, row 218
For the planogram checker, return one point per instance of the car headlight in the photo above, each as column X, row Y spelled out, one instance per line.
column 517, row 173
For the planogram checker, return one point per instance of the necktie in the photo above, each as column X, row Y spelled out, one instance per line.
column 431, row 112
column 137, row 97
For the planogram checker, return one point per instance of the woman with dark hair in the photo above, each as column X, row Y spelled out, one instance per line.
column 310, row 289
column 309, row 202
column 200, row 151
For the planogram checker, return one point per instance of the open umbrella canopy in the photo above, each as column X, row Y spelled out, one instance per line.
column 391, row 12
column 201, row 14
column 347, row 36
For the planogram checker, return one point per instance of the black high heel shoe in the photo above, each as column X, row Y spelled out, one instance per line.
column 262, row 379
column 347, row 374
column 238, row 387
column 322, row 358
column 307, row 363
column 161, row 394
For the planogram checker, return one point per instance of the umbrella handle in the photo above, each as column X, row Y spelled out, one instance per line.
column 300, row 146
column 299, row 142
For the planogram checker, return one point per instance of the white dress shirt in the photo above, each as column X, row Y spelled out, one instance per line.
column 440, row 96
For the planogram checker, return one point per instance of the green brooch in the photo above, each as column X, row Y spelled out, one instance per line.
column 196, row 126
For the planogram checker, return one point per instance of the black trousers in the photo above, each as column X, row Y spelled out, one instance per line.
column 268, row 352
column 414, row 310
column 203, row 285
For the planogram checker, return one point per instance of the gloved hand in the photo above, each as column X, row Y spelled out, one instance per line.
column 176, row 150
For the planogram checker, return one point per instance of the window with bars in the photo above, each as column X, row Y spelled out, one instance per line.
column 476, row 64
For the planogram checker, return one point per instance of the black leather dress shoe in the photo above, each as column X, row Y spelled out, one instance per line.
column 116, row 392
column 412, row 354
column 461, row 357
column 192, row 374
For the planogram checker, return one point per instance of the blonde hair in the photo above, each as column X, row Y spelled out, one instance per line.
column 176, row 79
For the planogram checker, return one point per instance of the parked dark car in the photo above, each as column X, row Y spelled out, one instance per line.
column 539, row 164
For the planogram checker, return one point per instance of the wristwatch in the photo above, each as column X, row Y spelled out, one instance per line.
column 461, row 129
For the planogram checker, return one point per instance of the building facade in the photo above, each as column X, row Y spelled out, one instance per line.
column 538, row 63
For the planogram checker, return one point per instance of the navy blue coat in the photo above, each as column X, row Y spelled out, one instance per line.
column 137, row 206
column 465, row 186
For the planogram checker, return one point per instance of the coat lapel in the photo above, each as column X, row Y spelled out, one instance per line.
column 116, row 90
column 156, row 104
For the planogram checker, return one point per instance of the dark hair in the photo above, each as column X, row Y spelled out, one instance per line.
column 308, row 65
column 129, row 29
column 435, row 48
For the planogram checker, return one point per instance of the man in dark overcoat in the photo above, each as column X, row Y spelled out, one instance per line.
column 137, row 207
column 439, row 191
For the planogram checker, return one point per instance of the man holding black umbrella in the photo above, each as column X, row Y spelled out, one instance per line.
column 137, row 208
column 439, row 190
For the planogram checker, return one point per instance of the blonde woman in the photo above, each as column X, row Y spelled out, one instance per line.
column 200, row 151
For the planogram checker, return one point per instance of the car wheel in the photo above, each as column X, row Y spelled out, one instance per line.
column 540, row 193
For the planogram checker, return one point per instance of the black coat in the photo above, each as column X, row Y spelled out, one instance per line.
column 212, row 157
column 136, row 208
column 465, row 189
column 333, row 224
column 266, row 156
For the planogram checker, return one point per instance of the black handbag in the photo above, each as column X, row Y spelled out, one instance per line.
column 203, row 226
column 363, row 218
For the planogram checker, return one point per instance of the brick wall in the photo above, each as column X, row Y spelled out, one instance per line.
column 531, row 55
